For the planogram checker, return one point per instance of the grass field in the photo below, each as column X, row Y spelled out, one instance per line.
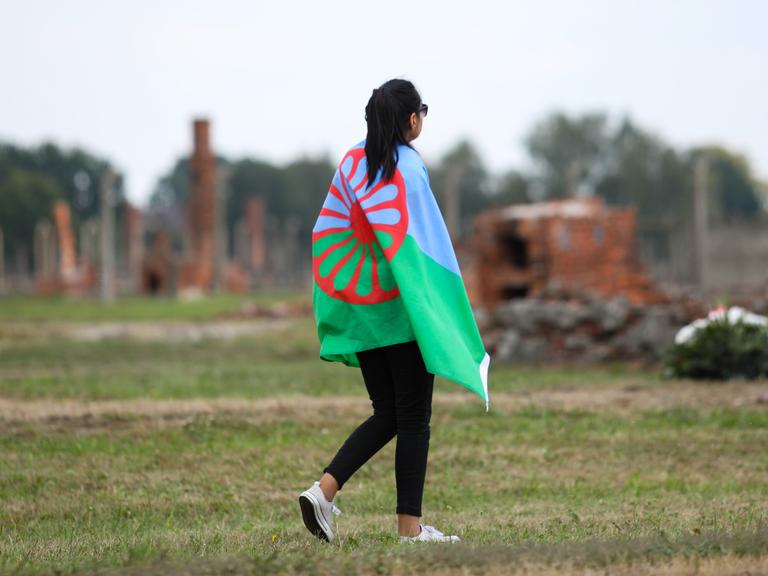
column 68, row 308
column 125, row 457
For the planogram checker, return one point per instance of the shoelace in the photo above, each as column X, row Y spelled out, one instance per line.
column 334, row 508
column 432, row 530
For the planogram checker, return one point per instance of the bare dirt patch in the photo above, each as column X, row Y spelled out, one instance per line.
column 672, row 394
column 142, row 330
column 69, row 414
column 725, row 565
column 730, row 565
column 88, row 414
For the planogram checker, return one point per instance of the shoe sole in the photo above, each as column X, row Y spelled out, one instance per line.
column 411, row 541
column 310, row 513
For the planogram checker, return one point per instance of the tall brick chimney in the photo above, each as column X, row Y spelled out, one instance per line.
column 201, row 208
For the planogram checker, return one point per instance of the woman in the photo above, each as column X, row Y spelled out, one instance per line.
column 388, row 298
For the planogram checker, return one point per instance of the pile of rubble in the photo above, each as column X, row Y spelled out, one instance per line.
column 581, row 327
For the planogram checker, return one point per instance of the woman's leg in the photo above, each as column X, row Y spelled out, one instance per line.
column 413, row 406
column 372, row 434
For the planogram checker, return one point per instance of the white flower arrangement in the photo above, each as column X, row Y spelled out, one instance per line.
column 733, row 315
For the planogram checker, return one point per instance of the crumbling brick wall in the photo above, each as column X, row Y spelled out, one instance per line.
column 519, row 250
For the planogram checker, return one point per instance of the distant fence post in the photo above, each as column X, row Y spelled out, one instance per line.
column 701, row 220
column 2, row 263
column 220, row 233
column 452, row 200
column 107, row 237
column 44, row 253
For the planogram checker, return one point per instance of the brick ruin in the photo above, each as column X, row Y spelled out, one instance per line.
column 157, row 267
column 203, row 266
column 516, row 251
column 519, row 250
column 59, row 270
column 561, row 281
column 197, row 271
column 67, row 262
column 199, row 248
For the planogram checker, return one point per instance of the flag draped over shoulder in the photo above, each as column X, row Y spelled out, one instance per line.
column 385, row 272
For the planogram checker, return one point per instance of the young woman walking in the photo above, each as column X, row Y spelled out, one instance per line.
column 389, row 299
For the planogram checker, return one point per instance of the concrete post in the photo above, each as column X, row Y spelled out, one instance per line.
column 255, row 211
column 220, row 252
column 134, row 246
column 89, row 242
column 2, row 263
column 23, row 278
column 572, row 178
column 274, row 258
column 241, row 243
column 452, row 200
column 107, row 237
column 701, row 220
column 44, row 250
column 291, row 245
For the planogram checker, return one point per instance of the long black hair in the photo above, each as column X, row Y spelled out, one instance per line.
column 387, row 114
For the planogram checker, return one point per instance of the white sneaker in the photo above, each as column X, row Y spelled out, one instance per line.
column 430, row 534
column 316, row 512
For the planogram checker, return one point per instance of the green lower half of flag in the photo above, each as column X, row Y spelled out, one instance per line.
column 345, row 329
column 432, row 308
column 442, row 318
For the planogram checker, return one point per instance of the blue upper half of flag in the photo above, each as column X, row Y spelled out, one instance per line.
column 425, row 223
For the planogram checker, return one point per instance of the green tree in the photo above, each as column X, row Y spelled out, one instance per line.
column 735, row 194
column 250, row 178
column 77, row 173
column 513, row 187
column 307, row 181
column 642, row 171
column 463, row 163
column 25, row 198
column 30, row 177
column 627, row 165
column 569, row 154
column 296, row 190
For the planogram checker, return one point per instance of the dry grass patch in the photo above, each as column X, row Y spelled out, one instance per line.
column 67, row 414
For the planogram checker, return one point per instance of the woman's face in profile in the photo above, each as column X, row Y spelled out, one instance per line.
column 415, row 123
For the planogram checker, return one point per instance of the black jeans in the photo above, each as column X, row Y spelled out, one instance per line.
column 400, row 389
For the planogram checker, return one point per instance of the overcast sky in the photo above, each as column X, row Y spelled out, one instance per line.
column 282, row 79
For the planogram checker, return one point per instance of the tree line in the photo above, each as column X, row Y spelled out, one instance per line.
column 33, row 179
column 589, row 154
column 570, row 155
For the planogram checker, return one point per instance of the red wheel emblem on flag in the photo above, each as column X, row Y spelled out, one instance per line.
column 358, row 231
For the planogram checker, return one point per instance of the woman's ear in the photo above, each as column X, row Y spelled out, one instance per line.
column 413, row 120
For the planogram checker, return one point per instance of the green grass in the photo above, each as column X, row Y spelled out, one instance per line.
column 67, row 308
column 559, row 486
column 284, row 361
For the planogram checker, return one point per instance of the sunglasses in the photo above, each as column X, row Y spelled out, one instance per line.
column 423, row 109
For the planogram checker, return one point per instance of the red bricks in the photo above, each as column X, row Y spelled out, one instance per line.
column 197, row 269
column 520, row 249
column 156, row 269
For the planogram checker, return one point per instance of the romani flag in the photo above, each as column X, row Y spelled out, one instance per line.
column 385, row 272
